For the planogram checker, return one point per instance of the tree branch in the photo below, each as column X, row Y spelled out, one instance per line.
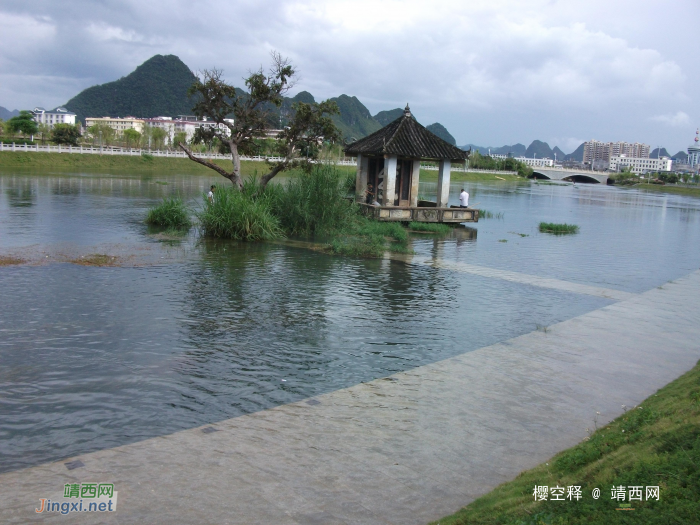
column 221, row 171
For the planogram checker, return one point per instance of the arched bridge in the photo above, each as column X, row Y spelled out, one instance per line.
column 557, row 173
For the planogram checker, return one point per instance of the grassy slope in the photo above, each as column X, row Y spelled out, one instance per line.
column 655, row 444
column 459, row 176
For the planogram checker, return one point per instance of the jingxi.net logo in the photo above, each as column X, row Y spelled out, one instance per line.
column 82, row 497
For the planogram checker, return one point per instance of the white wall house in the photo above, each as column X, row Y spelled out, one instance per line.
column 53, row 117
column 640, row 164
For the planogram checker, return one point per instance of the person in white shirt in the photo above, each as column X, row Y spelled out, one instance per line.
column 210, row 195
column 463, row 199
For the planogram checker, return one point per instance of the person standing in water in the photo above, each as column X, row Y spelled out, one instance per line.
column 210, row 195
column 463, row 199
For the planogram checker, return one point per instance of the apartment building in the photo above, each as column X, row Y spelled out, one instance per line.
column 599, row 154
column 53, row 117
column 117, row 124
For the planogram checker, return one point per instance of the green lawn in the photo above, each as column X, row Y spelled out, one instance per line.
column 654, row 444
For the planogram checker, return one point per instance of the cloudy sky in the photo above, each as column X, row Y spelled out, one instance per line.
column 493, row 72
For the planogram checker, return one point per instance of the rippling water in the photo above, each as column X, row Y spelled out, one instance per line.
column 97, row 357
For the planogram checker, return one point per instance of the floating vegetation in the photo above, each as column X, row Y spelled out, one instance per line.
column 10, row 261
column 429, row 227
column 486, row 214
column 561, row 229
column 96, row 259
column 171, row 213
column 521, row 234
column 502, row 240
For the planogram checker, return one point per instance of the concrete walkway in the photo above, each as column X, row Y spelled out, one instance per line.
column 405, row 449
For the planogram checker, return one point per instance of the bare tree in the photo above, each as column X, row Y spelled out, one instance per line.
column 238, row 117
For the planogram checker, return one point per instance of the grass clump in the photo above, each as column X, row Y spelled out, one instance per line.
column 552, row 227
column 372, row 246
column 430, row 227
column 171, row 213
column 656, row 444
column 96, row 259
column 244, row 215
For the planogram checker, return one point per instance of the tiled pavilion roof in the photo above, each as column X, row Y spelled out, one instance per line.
column 405, row 137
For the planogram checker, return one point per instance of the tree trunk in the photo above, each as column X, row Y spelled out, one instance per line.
column 236, row 178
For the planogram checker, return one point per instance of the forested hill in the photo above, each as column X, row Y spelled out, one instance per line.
column 158, row 87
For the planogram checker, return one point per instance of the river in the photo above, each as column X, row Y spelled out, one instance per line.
column 187, row 332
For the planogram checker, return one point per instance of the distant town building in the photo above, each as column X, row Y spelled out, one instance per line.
column 53, row 117
column 184, row 124
column 533, row 162
column 116, row 123
column 694, row 152
column 640, row 164
column 598, row 155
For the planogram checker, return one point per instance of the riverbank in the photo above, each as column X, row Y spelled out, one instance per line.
column 654, row 444
column 51, row 161
column 668, row 188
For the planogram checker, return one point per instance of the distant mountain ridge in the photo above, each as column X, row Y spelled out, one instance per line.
column 6, row 114
column 158, row 87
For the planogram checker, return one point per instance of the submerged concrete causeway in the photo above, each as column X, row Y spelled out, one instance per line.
column 405, row 449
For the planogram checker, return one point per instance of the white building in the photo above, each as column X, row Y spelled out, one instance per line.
column 534, row 162
column 53, row 117
column 183, row 124
column 640, row 164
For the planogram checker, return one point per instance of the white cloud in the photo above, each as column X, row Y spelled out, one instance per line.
column 492, row 71
column 679, row 119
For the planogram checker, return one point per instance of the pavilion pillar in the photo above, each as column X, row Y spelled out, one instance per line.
column 361, row 178
column 389, row 180
column 415, row 179
column 443, row 185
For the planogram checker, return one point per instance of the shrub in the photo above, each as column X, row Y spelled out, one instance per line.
column 171, row 213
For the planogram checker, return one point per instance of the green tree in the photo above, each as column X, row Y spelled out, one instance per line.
column 132, row 137
column 43, row 130
column 158, row 136
column 2, row 127
column 252, row 112
column 179, row 137
column 65, row 134
column 23, row 123
column 101, row 134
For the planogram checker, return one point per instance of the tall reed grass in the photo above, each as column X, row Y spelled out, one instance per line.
column 244, row 215
column 171, row 213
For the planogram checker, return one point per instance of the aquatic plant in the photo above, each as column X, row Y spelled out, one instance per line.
column 430, row 227
column 171, row 213
column 552, row 227
column 486, row 214
column 243, row 215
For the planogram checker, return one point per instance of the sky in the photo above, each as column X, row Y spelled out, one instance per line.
column 493, row 72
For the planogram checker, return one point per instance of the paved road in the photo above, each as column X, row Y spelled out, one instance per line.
column 405, row 449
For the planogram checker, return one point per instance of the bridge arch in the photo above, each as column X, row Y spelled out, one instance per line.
column 581, row 178
column 540, row 175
